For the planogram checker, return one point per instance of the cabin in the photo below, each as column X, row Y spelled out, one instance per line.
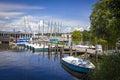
column 53, row 40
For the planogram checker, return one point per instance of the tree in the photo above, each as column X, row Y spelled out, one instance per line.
column 86, row 36
column 105, row 20
column 105, row 26
column 76, row 36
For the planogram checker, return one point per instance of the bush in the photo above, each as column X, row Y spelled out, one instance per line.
column 108, row 69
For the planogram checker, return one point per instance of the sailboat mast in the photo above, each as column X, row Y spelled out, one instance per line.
column 43, row 28
column 48, row 29
column 51, row 29
column 55, row 26
column 39, row 27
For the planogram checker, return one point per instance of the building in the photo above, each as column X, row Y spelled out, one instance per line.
column 7, row 36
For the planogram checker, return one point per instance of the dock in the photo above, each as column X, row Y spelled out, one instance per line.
column 63, row 49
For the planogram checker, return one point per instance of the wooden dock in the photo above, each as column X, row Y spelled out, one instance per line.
column 66, row 49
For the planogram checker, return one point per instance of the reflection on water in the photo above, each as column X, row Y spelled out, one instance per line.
column 4, row 46
column 76, row 75
column 25, row 65
column 28, row 66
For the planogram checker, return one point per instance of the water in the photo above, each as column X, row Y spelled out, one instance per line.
column 25, row 65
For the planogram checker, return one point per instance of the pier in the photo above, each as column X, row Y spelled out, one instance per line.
column 63, row 49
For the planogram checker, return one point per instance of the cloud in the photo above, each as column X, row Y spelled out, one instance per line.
column 32, row 23
column 2, row 22
column 8, row 10
column 8, row 6
column 7, row 15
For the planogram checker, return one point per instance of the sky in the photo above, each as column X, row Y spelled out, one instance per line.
column 69, row 15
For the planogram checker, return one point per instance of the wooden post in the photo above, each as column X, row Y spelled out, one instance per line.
column 33, row 50
column 96, row 55
column 49, row 49
column 52, row 47
column 86, row 53
column 61, row 55
column 57, row 48
column 43, row 46
column 70, row 50
column 75, row 52
column 63, row 50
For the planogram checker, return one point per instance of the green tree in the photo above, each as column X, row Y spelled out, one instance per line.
column 105, row 20
column 86, row 35
column 76, row 36
column 105, row 27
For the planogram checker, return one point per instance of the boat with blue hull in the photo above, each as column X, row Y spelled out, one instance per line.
column 21, row 41
column 79, row 65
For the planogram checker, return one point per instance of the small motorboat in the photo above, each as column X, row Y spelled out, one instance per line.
column 77, row 64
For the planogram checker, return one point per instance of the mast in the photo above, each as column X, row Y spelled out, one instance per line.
column 48, row 29
column 43, row 27
column 25, row 23
column 55, row 26
column 29, row 26
column 39, row 27
column 51, row 29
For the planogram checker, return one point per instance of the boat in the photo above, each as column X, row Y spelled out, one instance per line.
column 38, row 48
column 53, row 40
column 82, row 46
column 79, row 65
column 21, row 41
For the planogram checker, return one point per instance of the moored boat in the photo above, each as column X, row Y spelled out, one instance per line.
column 77, row 64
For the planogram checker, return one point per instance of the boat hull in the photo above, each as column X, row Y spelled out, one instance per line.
column 40, row 49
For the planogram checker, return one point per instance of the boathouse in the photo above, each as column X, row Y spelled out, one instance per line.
column 5, row 36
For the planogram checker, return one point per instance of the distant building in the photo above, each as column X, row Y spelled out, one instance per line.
column 6, row 36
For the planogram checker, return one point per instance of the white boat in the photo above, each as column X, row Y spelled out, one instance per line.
column 40, row 47
column 82, row 46
column 77, row 64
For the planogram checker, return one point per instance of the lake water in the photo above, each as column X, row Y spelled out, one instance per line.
column 25, row 65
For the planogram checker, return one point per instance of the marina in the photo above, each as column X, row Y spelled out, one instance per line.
column 59, row 40
column 24, row 64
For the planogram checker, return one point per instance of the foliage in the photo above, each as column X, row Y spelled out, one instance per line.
column 105, row 21
column 108, row 69
column 76, row 36
column 105, row 27
column 86, row 36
